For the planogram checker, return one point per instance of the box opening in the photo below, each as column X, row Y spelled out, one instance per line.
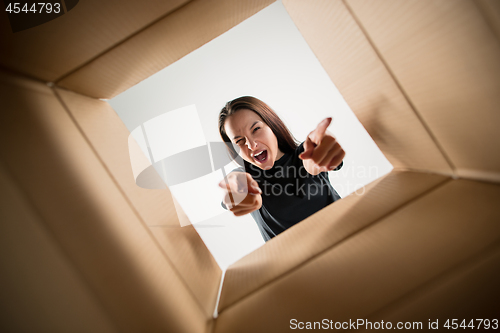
column 173, row 114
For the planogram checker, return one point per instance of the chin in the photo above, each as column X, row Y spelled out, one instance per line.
column 267, row 166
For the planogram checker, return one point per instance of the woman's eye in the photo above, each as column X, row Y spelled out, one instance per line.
column 255, row 129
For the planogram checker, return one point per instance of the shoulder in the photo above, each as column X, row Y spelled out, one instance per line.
column 300, row 148
column 297, row 151
column 295, row 160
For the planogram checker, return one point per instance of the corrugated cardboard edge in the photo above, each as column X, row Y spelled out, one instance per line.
column 444, row 58
column 433, row 239
column 322, row 231
column 88, row 216
column 107, row 135
column 158, row 46
column 367, row 84
column 55, row 48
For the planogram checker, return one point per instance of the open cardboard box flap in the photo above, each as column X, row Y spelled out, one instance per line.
column 97, row 253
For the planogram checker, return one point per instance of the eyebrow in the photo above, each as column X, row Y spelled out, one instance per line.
column 236, row 137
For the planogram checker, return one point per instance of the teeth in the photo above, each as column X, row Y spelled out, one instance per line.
column 258, row 154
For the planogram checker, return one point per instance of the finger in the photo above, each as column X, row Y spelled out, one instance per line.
column 249, row 200
column 229, row 184
column 314, row 138
column 239, row 184
column 318, row 134
column 241, row 212
column 223, row 184
column 253, row 186
column 333, row 150
column 228, row 200
column 308, row 149
column 231, row 181
column 323, row 149
column 335, row 162
column 240, row 200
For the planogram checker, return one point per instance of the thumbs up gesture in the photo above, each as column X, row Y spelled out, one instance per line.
column 322, row 152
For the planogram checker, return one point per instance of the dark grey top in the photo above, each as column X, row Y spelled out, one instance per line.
column 289, row 193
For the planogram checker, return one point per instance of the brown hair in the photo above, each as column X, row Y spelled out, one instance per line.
column 286, row 142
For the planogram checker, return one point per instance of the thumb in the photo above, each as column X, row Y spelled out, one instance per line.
column 230, row 184
column 224, row 184
column 308, row 149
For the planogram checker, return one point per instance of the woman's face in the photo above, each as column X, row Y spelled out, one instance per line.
column 257, row 143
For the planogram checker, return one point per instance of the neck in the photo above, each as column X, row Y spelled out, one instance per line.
column 279, row 155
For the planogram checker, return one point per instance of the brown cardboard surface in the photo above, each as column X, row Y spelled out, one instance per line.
column 474, row 284
column 108, row 136
column 160, row 45
column 422, row 77
column 366, row 84
column 53, row 49
column 194, row 262
column 58, row 299
column 88, row 215
column 445, row 56
column 454, row 224
column 491, row 12
column 322, row 231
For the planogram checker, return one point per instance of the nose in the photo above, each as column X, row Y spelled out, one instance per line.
column 251, row 144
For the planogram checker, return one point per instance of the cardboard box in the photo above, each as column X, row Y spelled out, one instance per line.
column 81, row 249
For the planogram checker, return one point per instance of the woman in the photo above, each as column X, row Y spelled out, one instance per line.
column 280, row 182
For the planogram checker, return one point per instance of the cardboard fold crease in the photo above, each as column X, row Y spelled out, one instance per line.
column 82, row 241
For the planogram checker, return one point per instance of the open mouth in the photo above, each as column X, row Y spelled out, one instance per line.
column 261, row 157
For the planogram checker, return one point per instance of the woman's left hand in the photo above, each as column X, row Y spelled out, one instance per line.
column 322, row 152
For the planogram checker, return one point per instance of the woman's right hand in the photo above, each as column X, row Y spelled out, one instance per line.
column 242, row 194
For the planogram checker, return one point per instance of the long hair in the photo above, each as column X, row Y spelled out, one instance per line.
column 286, row 142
